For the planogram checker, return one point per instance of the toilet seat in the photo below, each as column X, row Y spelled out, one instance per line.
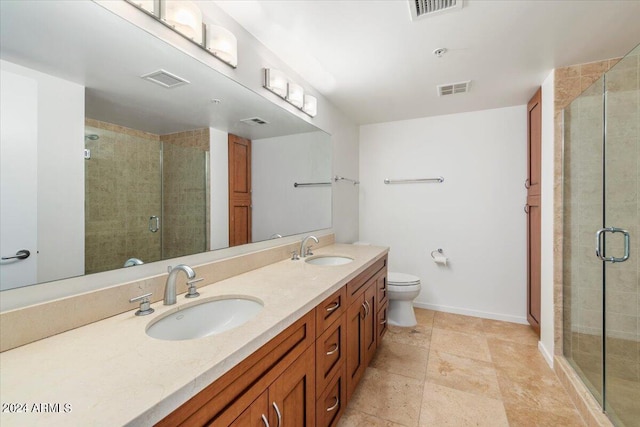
column 402, row 279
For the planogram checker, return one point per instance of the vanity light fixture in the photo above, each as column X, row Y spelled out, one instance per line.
column 223, row 44
column 310, row 105
column 275, row 81
column 295, row 94
column 185, row 18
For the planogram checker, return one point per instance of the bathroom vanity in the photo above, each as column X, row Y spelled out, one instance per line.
column 297, row 361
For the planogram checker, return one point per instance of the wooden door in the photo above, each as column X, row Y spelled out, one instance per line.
column 534, row 194
column 292, row 395
column 239, row 190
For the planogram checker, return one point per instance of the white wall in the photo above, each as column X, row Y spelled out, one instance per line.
column 546, row 343
column 276, row 164
column 219, row 186
column 60, row 174
column 476, row 216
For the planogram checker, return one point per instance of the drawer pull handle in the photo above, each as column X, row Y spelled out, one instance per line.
column 335, row 348
column 365, row 311
column 333, row 307
column 264, row 420
column 335, row 405
column 368, row 307
column 277, row 413
column 383, row 322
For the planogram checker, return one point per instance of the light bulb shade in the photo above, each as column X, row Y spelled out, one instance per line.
column 310, row 105
column 275, row 81
column 223, row 44
column 185, row 17
column 295, row 94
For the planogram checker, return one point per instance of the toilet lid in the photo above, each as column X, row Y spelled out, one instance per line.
column 402, row 279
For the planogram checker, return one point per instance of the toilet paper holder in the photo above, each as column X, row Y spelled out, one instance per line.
column 439, row 250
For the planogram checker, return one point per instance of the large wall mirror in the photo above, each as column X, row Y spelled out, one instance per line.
column 103, row 169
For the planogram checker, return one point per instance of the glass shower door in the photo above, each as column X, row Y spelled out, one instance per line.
column 620, row 242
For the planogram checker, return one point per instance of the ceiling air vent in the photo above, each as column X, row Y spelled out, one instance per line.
column 453, row 88
column 424, row 8
column 254, row 121
column 165, row 79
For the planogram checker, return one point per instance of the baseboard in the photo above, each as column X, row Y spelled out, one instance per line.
column 545, row 353
column 474, row 313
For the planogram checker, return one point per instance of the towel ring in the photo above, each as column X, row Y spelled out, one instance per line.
column 439, row 250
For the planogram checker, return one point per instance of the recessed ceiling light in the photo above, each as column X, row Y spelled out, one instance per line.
column 216, row 101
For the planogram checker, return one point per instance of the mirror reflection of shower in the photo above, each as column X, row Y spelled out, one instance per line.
column 138, row 183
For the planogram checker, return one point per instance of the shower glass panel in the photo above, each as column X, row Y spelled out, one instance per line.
column 601, row 192
column 184, row 194
column 583, row 205
column 621, row 196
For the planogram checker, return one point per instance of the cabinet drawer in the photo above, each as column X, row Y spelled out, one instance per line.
column 330, row 353
column 356, row 286
column 381, row 286
column 330, row 404
column 382, row 321
column 330, row 309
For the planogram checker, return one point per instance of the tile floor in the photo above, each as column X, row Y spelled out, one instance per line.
column 453, row 370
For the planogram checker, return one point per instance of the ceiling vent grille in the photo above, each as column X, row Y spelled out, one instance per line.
column 254, row 121
column 453, row 88
column 423, row 8
column 165, row 79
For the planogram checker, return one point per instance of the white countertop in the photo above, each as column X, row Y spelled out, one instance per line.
column 111, row 373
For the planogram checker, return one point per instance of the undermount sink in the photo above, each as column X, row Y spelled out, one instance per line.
column 329, row 260
column 205, row 318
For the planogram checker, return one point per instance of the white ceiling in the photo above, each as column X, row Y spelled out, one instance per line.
column 376, row 65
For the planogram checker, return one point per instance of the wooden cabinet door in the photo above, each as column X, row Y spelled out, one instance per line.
column 370, row 330
column 355, row 344
column 292, row 395
column 255, row 415
column 239, row 190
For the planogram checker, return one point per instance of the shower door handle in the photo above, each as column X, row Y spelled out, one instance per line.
column 154, row 224
column 627, row 244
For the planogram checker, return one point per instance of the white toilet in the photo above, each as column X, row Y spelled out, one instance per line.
column 402, row 290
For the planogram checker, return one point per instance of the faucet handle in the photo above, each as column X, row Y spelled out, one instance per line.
column 192, row 292
column 294, row 256
column 309, row 253
column 145, row 304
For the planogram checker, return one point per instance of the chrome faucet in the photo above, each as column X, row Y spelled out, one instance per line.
column 170, row 287
column 304, row 243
